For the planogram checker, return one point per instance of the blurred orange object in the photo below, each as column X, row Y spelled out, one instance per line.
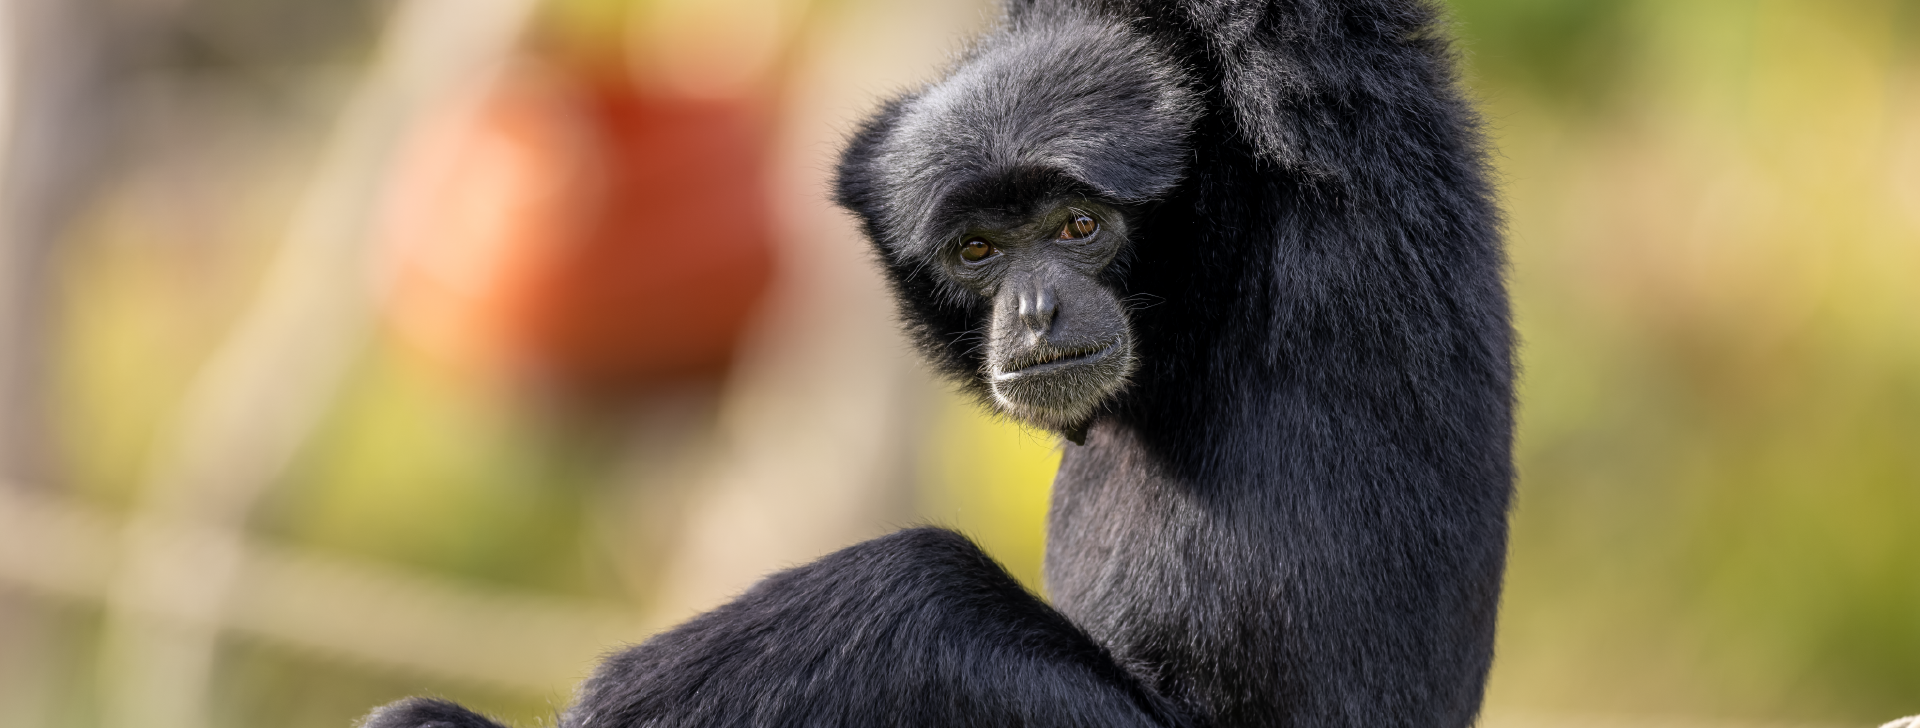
column 572, row 230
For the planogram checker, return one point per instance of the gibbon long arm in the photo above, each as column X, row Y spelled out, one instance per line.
column 918, row 628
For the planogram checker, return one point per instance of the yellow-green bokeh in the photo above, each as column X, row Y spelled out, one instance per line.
column 990, row 478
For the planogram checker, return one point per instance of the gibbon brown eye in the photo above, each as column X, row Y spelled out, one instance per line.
column 975, row 250
column 1079, row 227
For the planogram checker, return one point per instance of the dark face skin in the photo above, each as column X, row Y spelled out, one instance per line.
column 1058, row 343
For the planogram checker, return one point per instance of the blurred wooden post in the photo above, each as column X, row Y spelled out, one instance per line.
column 816, row 436
column 272, row 380
column 50, row 126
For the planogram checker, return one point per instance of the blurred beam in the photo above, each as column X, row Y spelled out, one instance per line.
column 255, row 402
column 342, row 610
column 408, row 622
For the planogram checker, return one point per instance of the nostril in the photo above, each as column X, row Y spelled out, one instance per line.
column 1037, row 309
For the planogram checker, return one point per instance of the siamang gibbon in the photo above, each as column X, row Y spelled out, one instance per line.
column 1241, row 254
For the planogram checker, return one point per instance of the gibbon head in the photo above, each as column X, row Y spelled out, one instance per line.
column 1001, row 200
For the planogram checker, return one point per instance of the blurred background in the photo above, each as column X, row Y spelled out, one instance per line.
column 355, row 349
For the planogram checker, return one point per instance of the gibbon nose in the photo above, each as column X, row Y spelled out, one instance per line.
column 1038, row 305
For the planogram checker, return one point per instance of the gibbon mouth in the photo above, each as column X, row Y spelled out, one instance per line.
column 1050, row 359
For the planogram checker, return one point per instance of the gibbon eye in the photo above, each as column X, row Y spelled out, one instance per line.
column 976, row 250
column 1079, row 227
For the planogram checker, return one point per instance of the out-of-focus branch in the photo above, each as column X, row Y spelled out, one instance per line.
column 272, row 380
column 355, row 612
column 818, row 426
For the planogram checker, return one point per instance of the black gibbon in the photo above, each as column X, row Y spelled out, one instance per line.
column 1244, row 255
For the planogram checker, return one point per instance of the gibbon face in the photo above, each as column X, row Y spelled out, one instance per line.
column 1057, row 339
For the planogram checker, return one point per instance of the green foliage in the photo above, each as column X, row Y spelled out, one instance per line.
column 1712, row 250
column 1563, row 50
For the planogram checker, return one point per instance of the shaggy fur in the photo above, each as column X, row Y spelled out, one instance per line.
column 1294, row 512
column 428, row 713
column 1056, row 90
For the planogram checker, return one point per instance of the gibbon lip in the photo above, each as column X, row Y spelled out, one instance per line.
column 1055, row 359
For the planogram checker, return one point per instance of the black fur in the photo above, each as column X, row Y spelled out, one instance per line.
column 918, row 628
column 1294, row 514
column 426, row 713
